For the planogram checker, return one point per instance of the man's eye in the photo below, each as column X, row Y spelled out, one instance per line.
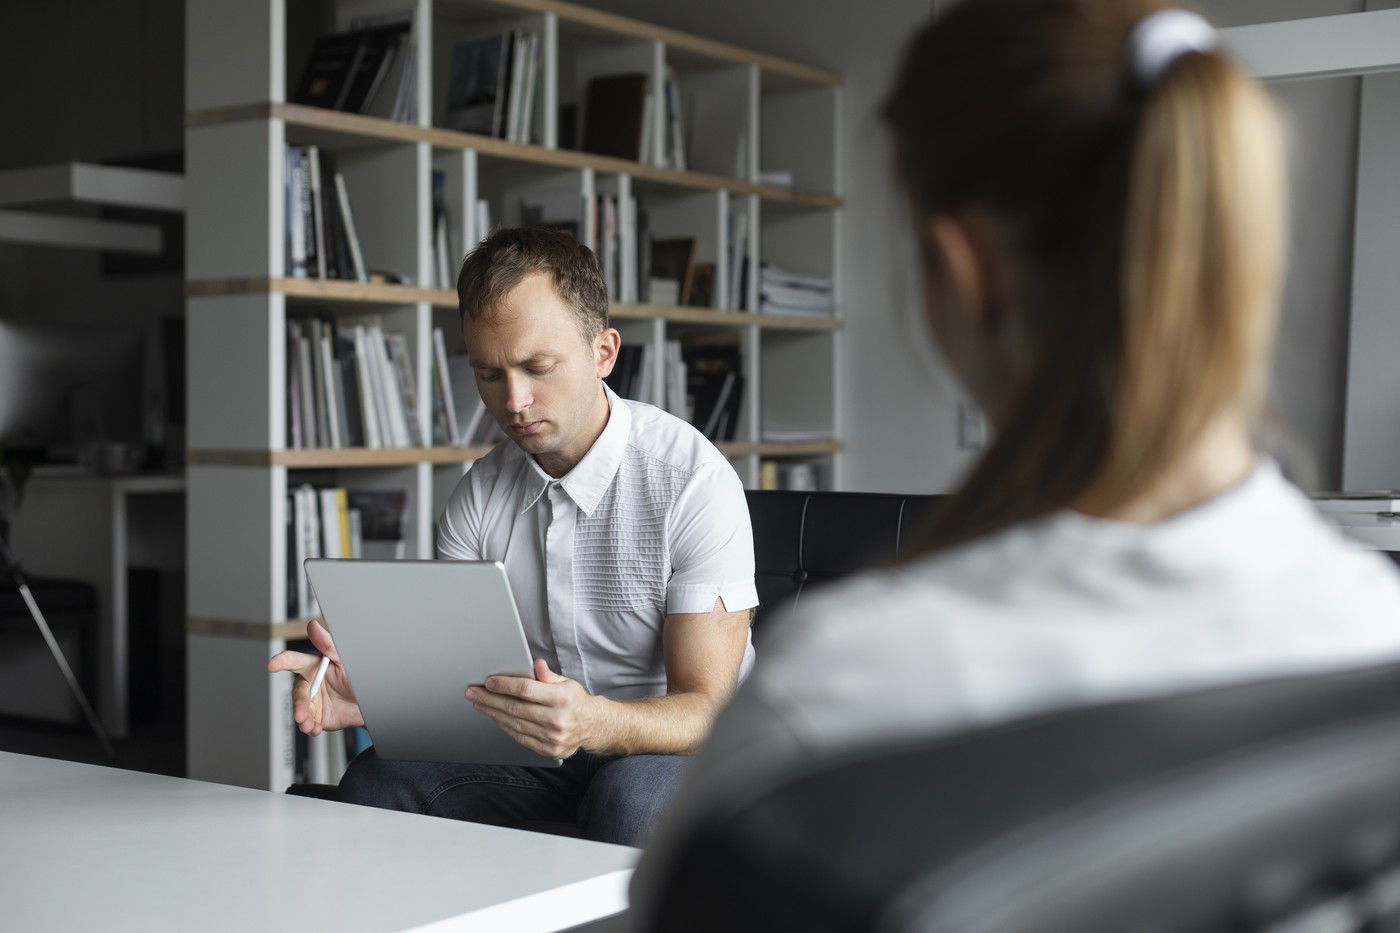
column 542, row 372
column 487, row 377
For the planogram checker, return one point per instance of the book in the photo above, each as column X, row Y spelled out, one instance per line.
column 532, row 80
column 294, row 436
column 313, row 159
column 674, row 260
column 329, row 72
column 295, row 235
column 330, row 379
column 369, row 402
column 308, row 397
column 386, row 102
column 378, row 49
column 477, row 84
column 616, row 106
column 407, row 386
column 675, row 137
column 330, row 523
column 352, row 238
column 443, row 380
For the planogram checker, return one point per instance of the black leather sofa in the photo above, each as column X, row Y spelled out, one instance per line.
column 804, row 539
column 1266, row 806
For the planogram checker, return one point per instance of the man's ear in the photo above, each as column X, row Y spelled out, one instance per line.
column 965, row 251
column 605, row 347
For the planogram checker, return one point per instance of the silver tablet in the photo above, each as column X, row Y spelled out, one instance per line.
column 412, row 636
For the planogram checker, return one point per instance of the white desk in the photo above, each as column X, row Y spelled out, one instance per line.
column 92, row 848
column 93, row 528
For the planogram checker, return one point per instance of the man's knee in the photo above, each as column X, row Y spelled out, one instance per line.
column 371, row 781
column 628, row 795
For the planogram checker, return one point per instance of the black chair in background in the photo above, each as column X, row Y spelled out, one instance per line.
column 1270, row 805
column 804, row 539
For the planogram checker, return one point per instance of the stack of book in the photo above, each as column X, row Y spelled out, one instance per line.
column 494, row 85
column 321, row 242
column 794, row 293
column 369, row 70
column 340, row 523
column 349, row 385
column 459, row 415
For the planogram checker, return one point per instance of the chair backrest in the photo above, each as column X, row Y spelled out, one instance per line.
column 1269, row 805
column 803, row 539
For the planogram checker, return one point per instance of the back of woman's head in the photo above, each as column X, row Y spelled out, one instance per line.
column 1142, row 210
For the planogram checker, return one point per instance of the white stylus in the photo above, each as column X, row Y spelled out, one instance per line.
column 320, row 675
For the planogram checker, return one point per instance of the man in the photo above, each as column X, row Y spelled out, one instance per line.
column 626, row 538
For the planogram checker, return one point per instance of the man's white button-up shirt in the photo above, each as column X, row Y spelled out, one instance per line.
column 652, row 521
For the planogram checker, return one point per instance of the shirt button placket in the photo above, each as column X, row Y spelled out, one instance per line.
column 559, row 576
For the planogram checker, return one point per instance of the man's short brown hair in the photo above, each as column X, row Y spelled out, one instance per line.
column 508, row 255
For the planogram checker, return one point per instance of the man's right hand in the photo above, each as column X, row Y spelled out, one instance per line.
column 335, row 706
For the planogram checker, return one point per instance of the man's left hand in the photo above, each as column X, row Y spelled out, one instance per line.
column 550, row 715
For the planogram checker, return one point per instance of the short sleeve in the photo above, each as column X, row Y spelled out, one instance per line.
column 711, row 541
column 459, row 529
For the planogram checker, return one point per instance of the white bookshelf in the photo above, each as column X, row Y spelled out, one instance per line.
column 240, row 61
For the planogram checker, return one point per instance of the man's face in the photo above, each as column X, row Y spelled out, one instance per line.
column 537, row 374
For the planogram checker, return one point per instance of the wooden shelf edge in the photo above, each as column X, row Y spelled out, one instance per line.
column 710, row 48
column 334, row 290
column 334, row 459
column 354, row 124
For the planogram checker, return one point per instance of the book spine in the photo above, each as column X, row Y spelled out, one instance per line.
column 308, row 397
column 317, row 223
column 330, row 523
column 368, row 404
column 408, row 394
column 296, row 243
column 303, row 523
column 381, row 379
column 330, row 387
column 445, row 385
column 318, row 385
column 352, row 238
column 294, row 435
column 342, row 512
column 394, row 403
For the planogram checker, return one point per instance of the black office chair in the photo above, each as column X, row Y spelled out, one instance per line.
column 1271, row 805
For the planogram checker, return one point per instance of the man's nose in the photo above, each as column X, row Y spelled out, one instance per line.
column 518, row 395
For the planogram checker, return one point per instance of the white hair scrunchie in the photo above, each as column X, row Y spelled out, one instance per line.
column 1163, row 37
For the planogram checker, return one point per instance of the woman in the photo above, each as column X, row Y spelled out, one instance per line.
column 1098, row 194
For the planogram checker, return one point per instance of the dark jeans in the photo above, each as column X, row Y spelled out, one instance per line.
column 615, row 800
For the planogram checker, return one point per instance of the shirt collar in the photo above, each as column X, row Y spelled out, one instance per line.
column 592, row 475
